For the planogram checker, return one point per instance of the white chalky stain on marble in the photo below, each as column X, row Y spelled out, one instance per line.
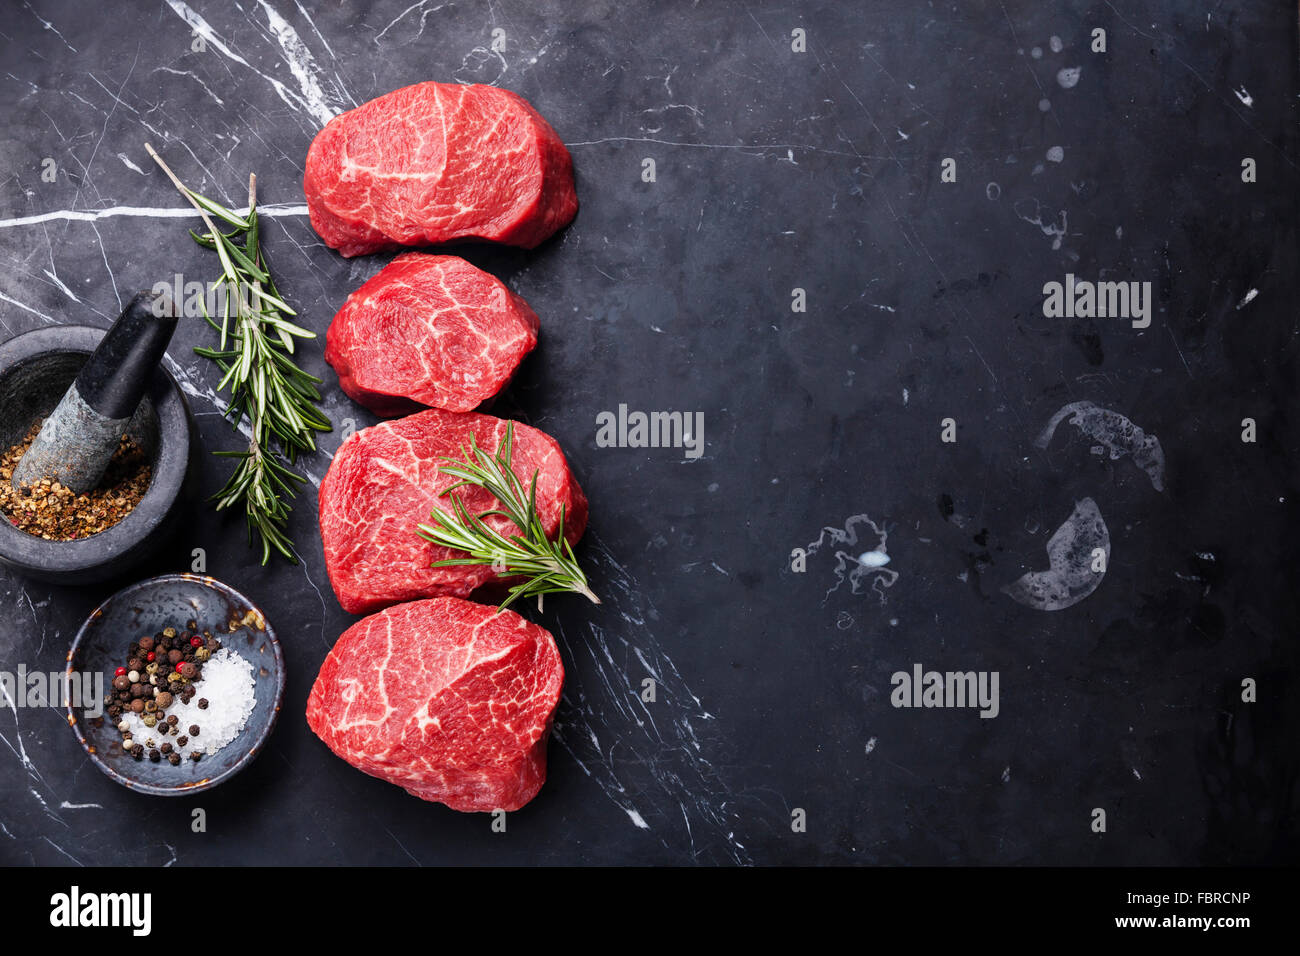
column 1070, row 577
column 1068, row 76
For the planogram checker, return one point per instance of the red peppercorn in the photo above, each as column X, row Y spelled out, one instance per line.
column 179, row 665
column 150, row 656
column 196, row 642
column 119, row 672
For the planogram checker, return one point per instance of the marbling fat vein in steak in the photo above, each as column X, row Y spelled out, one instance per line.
column 438, row 162
column 445, row 698
column 385, row 481
column 429, row 330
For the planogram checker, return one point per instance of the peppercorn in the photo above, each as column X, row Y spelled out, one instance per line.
column 137, row 751
column 149, row 743
column 166, row 748
column 150, row 720
column 173, row 719
column 154, row 755
column 174, row 759
column 173, row 677
column 203, row 703
column 146, row 643
column 194, row 730
column 137, row 690
column 124, row 695
column 169, row 632
column 127, row 743
column 182, row 740
column 133, row 676
column 191, row 625
column 195, row 755
column 137, row 705
column 189, row 671
column 164, row 699
column 124, row 726
column 135, row 664
column 151, row 657
column 119, row 672
column 202, row 654
column 150, row 706
column 120, row 682
column 115, row 710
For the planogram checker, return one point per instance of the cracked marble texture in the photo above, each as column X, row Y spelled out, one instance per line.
column 775, row 171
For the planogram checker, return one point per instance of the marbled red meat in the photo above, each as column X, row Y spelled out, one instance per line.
column 445, row 698
column 434, row 163
column 429, row 331
column 385, row 480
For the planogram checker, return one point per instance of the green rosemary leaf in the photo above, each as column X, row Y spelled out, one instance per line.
column 276, row 397
column 547, row 566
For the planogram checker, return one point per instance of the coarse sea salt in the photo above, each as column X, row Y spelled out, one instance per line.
column 227, row 685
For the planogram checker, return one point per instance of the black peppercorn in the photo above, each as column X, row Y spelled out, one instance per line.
column 173, row 759
column 182, row 741
column 190, row 669
column 135, row 664
column 173, row 719
column 195, row 755
column 137, row 751
column 166, row 748
column 203, row 703
column 146, row 644
column 194, row 730
column 154, row 755
column 120, row 682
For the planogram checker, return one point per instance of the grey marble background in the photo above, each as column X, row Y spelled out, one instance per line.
column 775, row 170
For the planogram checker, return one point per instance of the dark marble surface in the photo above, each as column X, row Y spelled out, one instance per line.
column 775, row 170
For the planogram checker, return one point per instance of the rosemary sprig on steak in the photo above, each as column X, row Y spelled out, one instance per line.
column 548, row 566
column 257, row 342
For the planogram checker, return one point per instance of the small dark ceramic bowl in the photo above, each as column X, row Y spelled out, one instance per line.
column 147, row 608
column 36, row 368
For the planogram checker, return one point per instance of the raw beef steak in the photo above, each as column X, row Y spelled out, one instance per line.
column 436, row 162
column 429, row 330
column 385, row 481
column 445, row 698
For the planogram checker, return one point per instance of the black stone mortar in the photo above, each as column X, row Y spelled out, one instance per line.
column 36, row 368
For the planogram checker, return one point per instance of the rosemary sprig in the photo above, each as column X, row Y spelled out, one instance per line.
column 254, row 355
column 548, row 566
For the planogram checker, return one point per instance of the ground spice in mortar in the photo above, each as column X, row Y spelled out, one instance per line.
column 54, row 512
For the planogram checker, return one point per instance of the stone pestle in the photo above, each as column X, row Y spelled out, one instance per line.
column 80, row 436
